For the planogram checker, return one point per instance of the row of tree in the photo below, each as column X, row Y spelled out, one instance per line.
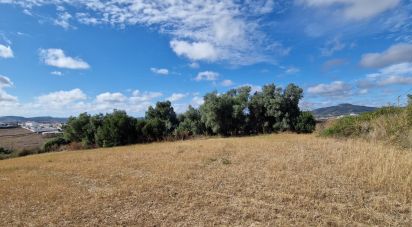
column 236, row 112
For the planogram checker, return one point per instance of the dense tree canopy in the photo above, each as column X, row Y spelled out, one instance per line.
column 236, row 112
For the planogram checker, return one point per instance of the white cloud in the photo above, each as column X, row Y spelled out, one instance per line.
column 334, row 89
column 355, row 9
column 160, row 71
column 330, row 64
column 63, row 20
column 57, row 73
column 110, row 98
column 292, row 70
column 195, row 50
column 61, row 99
column 397, row 53
column 4, row 96
column 5, row 82
column 332, row 46
column 57, row 58
column 6, row 52
column 197, row 101
column 138, row 96
column 176, row 97
column 210, row 30
column 194, row 65
column 226, row 83
column 398, row 74
column 207, row 75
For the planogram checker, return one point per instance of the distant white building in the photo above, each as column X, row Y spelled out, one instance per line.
column 8, row 125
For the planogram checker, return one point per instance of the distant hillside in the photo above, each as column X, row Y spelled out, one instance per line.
column 45, row 119
column 342, row 109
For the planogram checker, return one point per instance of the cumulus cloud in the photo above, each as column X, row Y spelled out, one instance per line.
column 210, row 30
column 334, row 89
column 397, row 53
column 7, row 98
column 176, row 97
column 160, row 71
column 6, row 52
column 4, row 96
column 207, row 75
column 355, row 9
column 398, row 74
column 195, row 50
column 61, row 98
column 108, row 97
column 138, row 96
column 226, row 83
column 57, row 58
column 5, row 82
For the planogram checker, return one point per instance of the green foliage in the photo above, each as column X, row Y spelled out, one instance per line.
column 305, row 123
column 4, row 151
column 190, row 124
column 117, row 129
column 391, row 124
column 236, row 112
column 154, row 130
column 164, row 112
column 54, row 144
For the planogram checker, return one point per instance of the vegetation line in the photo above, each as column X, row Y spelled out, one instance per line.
column 234, row 113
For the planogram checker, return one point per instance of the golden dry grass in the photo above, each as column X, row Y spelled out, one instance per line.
column 266, row 180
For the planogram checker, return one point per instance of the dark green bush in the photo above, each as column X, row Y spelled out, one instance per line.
column 305, row 123
column 54, row 144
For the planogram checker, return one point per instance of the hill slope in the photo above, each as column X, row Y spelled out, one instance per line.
column 273, row 180
column 342, row 109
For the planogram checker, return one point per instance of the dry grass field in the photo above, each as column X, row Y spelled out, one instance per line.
column 19, row 139
column 272, row 180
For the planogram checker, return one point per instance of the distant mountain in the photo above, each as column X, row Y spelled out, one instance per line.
column 45, row 119
column 342, row 109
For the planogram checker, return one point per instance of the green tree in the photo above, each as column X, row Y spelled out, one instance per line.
column 154, row 130
column 117, row 129
column 190, row 124
column 164, row 112
column 80, row 129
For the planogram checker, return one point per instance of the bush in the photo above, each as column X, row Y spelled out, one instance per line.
column 390, row 124
column 54, row 144
column 26, row 152
column 305, row 123
column 5, row 151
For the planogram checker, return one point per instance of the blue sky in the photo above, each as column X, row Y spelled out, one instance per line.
column 61, row 57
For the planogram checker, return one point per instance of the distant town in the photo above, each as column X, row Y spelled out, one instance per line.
column 45, row 129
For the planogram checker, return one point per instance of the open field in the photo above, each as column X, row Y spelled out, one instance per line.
column 19, row 139
column 270, row 180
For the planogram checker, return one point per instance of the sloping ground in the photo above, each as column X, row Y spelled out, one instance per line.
column 19, row 139
column 266, row 180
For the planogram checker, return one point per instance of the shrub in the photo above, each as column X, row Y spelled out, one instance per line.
column 305, row 123
column 5, row 151
column 390, row 124
column 26, row 152
column 54, row 144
